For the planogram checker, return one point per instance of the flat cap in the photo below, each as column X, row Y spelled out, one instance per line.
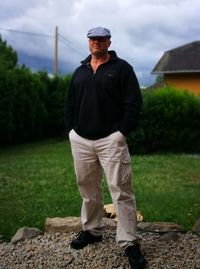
column 99, row 31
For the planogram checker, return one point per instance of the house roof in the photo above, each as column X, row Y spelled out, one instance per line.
column 184, row 59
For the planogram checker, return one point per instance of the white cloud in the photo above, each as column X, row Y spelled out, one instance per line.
column 141, row 30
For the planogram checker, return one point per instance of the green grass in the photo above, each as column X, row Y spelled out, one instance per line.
column 37, row 181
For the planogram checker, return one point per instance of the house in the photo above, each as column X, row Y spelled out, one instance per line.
column 180, row 67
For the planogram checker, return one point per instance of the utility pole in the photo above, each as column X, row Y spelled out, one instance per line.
column 56, row 53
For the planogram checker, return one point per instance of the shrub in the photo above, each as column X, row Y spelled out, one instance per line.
column 6, row 108
column 170, row 121
column 26, row 104
column 56, row 91
column 31, row 105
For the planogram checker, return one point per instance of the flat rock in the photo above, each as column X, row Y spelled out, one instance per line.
column 159, row 226
column 109, row 212
column 71, row 224
column 171, row 236
column 25, row 233
column 63, row 225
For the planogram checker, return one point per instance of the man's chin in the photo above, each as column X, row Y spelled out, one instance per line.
column 99, row 53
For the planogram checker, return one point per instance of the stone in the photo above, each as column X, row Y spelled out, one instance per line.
column 109, row 212
column 171, row 236
column 25, row 233
column 63, row 225
column 196, row 227
column 72, row 224
column 159, row 226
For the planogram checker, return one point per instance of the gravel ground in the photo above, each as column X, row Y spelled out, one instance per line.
column 52, row 251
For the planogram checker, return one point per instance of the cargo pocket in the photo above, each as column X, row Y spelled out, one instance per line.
column 125, row 167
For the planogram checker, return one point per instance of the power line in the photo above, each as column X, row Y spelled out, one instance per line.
column 63, row 39
column 72, row 47
column 26, row 33
column 68, row 43
column 58, row 37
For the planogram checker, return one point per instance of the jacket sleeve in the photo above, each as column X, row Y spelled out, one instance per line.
column 132, row 100
column 69, row 108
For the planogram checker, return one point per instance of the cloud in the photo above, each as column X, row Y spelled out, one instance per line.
column 141, row 30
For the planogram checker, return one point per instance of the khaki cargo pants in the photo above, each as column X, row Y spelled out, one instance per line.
column 91, row 158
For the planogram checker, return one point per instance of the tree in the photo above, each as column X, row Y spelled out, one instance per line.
column 8, row 61
column 8, row 57
column 57, row 90
column 31, row 104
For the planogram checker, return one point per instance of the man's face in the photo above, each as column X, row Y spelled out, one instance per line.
column 99, row 45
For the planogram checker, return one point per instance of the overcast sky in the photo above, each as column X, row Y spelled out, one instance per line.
column 142, row 30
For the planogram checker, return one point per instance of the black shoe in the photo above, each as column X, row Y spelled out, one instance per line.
column 84, row 238
column 135, row 257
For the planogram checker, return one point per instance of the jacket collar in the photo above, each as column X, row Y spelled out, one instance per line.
column 113, row 56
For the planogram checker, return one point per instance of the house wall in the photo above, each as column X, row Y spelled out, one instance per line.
column 190, row 82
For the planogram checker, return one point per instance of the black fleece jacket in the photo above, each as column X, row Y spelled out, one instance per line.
column 98, row 104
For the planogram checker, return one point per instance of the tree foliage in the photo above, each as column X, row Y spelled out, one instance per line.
column 169, row 122
column 31, row 104
column 8, row 57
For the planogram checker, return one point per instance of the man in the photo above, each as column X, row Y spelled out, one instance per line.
column 102, row 106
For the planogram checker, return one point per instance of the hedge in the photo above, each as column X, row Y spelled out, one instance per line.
column 170, row 121
column 31, row 105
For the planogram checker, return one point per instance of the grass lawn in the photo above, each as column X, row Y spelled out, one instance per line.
column 37, row 181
